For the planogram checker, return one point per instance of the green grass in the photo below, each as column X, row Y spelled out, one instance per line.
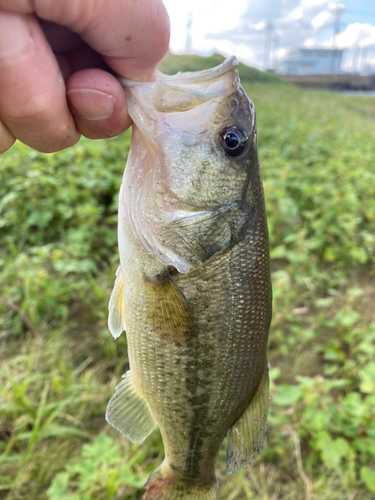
column 59, row 363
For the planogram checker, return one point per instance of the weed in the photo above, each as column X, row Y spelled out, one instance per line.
column 59, row 364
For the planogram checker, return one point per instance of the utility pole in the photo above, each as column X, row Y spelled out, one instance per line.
column 363, row 63
column 357, row 49
column 189, row 39
column 267, row 45
column 336, row 30
column 275, row 54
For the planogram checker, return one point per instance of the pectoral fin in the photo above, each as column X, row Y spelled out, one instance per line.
column 246, row 437
column 128, row 412
column 116, row 318
column 168, row 309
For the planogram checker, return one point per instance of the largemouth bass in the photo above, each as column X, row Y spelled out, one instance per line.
column 193, row 289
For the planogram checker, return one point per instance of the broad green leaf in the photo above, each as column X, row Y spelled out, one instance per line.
column 347, row 318
column 287, row 395
column 59, row 488
column 367, row 376
column 103, row 449
column 368, row 477
column 332, row 450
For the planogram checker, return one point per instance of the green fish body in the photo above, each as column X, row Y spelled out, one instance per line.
column 193, row 289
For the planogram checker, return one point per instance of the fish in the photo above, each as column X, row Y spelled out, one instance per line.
column 193, row 290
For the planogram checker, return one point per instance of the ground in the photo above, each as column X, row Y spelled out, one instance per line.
column 59, row 363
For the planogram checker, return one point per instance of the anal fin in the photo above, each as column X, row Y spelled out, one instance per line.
column 246, row 437
column 116, row 317
column 128, row 412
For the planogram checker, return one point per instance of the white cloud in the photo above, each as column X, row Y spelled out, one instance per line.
column 308, row 43
column 312, row 3
column 361, row 33
column 242, row 28
column 335, row 5
column 280, row 53
column 296, row 13
column 244, row 53
column 368, row 41
column 321, row 19
column 260, row 26
column 208, row 15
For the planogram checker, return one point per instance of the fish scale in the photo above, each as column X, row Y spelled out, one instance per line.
column 194, row 286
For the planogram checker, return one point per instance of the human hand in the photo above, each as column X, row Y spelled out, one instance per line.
column 54, row 61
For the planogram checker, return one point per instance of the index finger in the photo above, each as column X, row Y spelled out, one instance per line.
column 132, row 36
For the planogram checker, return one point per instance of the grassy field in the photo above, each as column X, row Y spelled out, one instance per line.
column 59, row 363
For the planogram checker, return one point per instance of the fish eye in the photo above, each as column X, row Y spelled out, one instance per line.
column 233, row 140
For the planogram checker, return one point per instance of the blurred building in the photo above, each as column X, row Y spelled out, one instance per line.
column 312, row 62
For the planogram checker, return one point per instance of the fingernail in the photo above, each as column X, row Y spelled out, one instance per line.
column 15, row 39
column 91, row 104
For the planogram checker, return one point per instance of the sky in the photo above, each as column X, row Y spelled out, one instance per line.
column 263, row 32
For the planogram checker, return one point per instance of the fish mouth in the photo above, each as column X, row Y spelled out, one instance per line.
column 184, row 91
column 202, row 76
column 190, row 76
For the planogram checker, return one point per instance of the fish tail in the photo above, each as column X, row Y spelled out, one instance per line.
column 161, row 485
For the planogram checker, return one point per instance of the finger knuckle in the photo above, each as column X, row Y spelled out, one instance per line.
column 37, row 108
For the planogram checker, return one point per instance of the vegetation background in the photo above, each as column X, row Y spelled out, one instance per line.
column 60, row 365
